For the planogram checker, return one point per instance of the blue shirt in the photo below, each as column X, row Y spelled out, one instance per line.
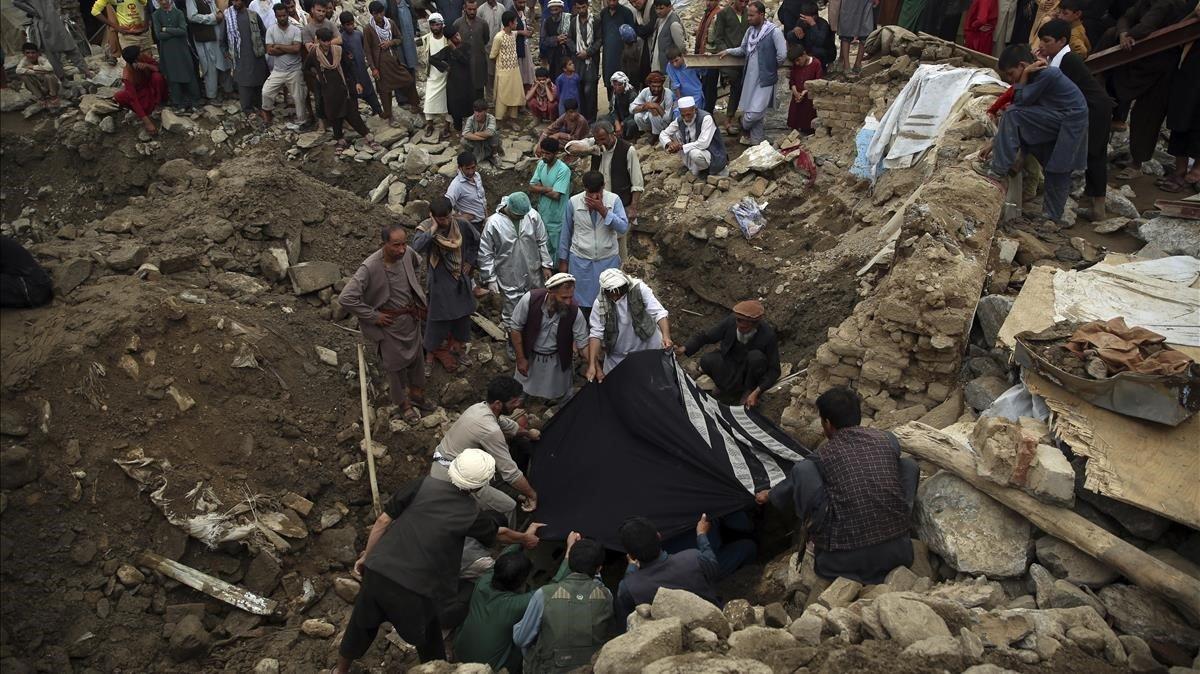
column 568, row 88
column 686, row 82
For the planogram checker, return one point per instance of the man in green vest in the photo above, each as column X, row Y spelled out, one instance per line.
column 568, row 621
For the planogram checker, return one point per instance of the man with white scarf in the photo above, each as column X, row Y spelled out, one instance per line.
column 547, row 327
column 627, row 317
column 765, row 50
column 411, row 562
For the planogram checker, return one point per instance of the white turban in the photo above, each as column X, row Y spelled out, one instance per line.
column 611, row 279
column 559, row 279
column 437, row 18
column 619, row 78
column 687, row 102
column 472, row 469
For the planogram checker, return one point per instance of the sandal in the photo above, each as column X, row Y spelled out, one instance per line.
column 342, row 145
column 423, row 404
column 1171, row 184
column 411, row 416
column 1126, row 174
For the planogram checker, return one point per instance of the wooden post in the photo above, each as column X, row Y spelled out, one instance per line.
column 1177, row 587
column 214, row 587
column 366, row 415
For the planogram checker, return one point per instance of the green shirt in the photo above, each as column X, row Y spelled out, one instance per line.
column 558, row 178
column 486, row 635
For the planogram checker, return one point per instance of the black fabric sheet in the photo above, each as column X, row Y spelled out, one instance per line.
column 648, row 442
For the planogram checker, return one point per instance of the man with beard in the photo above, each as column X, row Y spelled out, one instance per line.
column 546, row 329
column 450, row 246
column 475, row 34
column 746, row 361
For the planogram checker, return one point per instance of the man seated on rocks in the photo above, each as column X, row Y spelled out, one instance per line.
column 1048, row 119
column 485, row 426
column 37, row 76
column 144, row 87
column 411, row 560
column 853, row 497
column 746, row 362
column 570, row 126
column 654, row 108
column 479, row 134
column 568, row 620
column 546, row 329
column 650, row 568
column 693, row 136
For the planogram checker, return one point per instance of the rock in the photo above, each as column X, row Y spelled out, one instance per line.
column 935, row 647
column 298, row 503
column 705, row 663
column 691, row 610
column 14, row 100
column 700, row 639
column 739, row 613
column 92, row 104
column 1053, row 593
column 417, row 161
column 981, row 392
column 380, row 192
column 457, row 392
column 1139, row 657
column 218, row 136
column 1090, row 641
column 130, row 576
column 274, row 264
column 267, row 666
column 317, row 629
column 309, row 140
column 753, row 641
column 1117, row 201
column 841, row 593
column 1137, row 612
column 346, row 588
column 18, row 467
column 1000, row 630
column 807, row 628
column 988, row 669
column 900, row 579
column 633, row 650
column 775, row 615
column 1140, row 523
column 1066, row 561
column 972, row 645
column 127, row 257
column 908, row 621
column 327, row 356
column 1175, row 236
column 397, row 195
column 844, row 623
column 189, row 639
column 972, row 532
column 235, row 284
column 990, row 313
column 262, row 576
column 83, row 552
column 176, row 124
column 390, row 136
column 71, row 274
column 309, row 277
column 1051, row 478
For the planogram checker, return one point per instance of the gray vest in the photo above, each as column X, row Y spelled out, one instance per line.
column 574, row 625
column 664, row 41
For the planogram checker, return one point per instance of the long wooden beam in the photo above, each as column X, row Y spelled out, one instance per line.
column 1160, row 40
column 1175, row 586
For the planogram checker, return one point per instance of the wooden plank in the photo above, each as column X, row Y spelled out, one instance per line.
column 715, row 61
column 1160, row 40
column 1180, row 589
column 1179, row 208
column 491, row 328
column 213, row 587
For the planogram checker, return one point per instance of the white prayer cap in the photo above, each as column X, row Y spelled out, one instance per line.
column 436, row 18
column 556, row 3
column 687, row 102
column 559, row 279
column 611, row 279
column 472, row 469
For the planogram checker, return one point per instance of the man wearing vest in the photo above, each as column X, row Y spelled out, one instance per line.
column 588, row 243
column 568, row 621
column 205, row 20
column 668, row 33
column 621, row 167
column 627, row 317
column 765, row 50
column 650, row 568
column 546, row 328
column 693, row 135
column 411, row 561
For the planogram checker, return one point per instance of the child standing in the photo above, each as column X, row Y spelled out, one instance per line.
column 1071, row 11
column 542, row 97
column 567, row 85
column 979, row 26
column 804, row 69
column 684, row 80
column 510, row 91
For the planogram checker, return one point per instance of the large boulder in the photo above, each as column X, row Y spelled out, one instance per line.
column 650, row 642
column 1137, row 612
column 309, row 277
column 970, row 530
column 990, row 314
column 755, row 641
column 907, row 620
column 691, row 610
column 704, row 663
column 1175, row 236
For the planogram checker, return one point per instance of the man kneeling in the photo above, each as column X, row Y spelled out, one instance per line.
column 856, row 494
column 746, row 361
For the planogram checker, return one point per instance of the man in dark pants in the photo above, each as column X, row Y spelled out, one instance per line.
column 1054, row 39
column 411, row 561
column 855, row 493
column 711, row 79
column 746, row 362
column 727, row 32
column 23, row 282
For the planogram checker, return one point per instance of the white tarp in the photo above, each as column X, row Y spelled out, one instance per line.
column 914, row 121
column 1136, row 291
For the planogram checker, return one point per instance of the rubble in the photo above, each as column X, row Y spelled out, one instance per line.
column 972, row 532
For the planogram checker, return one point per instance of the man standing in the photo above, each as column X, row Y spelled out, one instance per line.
column 386, row 297
column 547, row 329
column 513, row 257
column 695, row 570
column 765, row 50
column 554, row 39
column 612, row 17
column 584, row 38
column 435, row 81
column 627, row 317
column 668, row 33
column 283, row 43
column 171, row 28
column 245, row 33
column 206, row 24
column 479, row 134
column 485, row 425
column 1048, row 119
column 401, row 14
column 450, row 245
column 354, row 63
column 654, row 107
column 393, row 80
column 550, row 182
column 411, row 560
column 465, row 192
column 693, row 136
column 588, row 245
column 566, row 622
column 491, row 14
column 855, row 492
column 712, row 76
column 727, row 33
column 476, row 35
column 618, row 162
column 746, row 361
column 131, row 26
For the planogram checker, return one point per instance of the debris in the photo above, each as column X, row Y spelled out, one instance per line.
column 489, row 327
column 213, row 587
column 318, row 629
column 309, row 277
column 327, row 356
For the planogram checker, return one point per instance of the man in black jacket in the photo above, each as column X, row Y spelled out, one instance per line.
column 746, row 362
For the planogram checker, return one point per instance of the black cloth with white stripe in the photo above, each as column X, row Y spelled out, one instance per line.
column 648, row 442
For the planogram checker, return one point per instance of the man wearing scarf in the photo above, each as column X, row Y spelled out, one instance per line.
column 555, row 43
column 324, row 68
column 513, row 257
column 654, row 107
column 746, row 361
column 627, row 317
column 765, row 50
column 584, row 38
column 546, row 329
column 383, row 45
column 450, row 246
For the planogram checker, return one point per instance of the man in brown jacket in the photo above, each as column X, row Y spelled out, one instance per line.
column 386, row 297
